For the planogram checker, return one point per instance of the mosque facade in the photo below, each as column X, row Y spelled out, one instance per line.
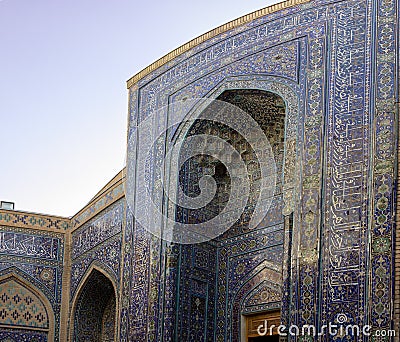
column 309, row 239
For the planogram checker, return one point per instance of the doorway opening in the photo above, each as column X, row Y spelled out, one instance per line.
column 94, row 318
column 263, row 327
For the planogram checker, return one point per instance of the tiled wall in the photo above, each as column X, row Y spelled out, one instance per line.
column 334, row 64
column 36, row 257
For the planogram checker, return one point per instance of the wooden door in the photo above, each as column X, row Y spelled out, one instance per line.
column 268, row 319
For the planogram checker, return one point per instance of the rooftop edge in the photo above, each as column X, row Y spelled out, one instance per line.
column 210, row 34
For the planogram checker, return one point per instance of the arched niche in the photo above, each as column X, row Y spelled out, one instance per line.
column 282, row 96
column 93, row 316
column 267, row 109
column 288, row 92
column 259, row 293
column 25, row 312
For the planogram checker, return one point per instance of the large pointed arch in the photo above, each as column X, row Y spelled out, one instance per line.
column 292, row 165
column 288, row 92
column 290, row 169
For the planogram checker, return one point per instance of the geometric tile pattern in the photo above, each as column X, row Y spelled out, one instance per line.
column 106, row 256
column 35, row 255
column 108, row 321
column 260, row 296
column 240, row 252
column 35, row 221
column 98, row 241
column 47, row 276
column 20, row 307
column 383, row 227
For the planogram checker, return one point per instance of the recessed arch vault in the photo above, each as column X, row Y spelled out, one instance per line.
column 94, row 309
column 290, row 193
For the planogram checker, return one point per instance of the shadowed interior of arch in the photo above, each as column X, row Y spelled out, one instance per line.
column 94, row 318
column 202, row 284
column 268, row 110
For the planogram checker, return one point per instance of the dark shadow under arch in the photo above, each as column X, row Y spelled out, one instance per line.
column 95, row 310
column 206, row 276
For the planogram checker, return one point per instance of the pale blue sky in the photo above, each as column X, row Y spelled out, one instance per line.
column 63, row 98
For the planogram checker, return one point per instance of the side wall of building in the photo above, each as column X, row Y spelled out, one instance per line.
column 96, row 246
column 31, row 275
column 45, row 261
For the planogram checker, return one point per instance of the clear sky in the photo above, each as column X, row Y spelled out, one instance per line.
column 63, row 98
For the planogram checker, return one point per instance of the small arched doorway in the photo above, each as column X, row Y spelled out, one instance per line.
column 94, row 316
